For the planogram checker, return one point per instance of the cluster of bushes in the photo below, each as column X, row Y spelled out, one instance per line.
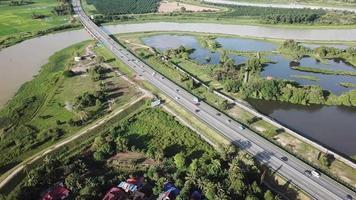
column 115, row 7
column 179, row 156
column 64, row 8
column 180, row 52
column 297, row 49
column 271, row 15
column 291, row 18
column 98, row 72
column 19, row 2
column 87, row 99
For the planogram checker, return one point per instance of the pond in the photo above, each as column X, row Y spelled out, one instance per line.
column 281, row 69
column 328, row 125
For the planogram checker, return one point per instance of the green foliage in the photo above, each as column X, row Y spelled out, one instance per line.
column 270, row 15
column 180, row 52
column 179, row 160
column 116, row 7
column 326, row 159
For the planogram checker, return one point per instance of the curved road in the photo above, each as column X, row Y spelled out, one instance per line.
column 264, row 151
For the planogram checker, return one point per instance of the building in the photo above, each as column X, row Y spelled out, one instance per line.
column 170, row 192
column 57, row 192
column 129, row 189
column 115, row 193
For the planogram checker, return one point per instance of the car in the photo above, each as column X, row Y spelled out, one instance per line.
column 315, row 173
column 218, row 114
column 229, row 120
column 284, row 158
column 241, row 127
column 154, row 73
column 348, row 197
column 307, row 172
column 177, row 98
column 177, row 90
column 197, row 110
column 162, row 77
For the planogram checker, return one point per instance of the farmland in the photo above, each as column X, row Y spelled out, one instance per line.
column 110, row 7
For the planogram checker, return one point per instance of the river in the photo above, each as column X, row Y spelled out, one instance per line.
column 21, row 62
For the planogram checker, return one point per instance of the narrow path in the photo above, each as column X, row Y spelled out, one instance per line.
column 84, row 131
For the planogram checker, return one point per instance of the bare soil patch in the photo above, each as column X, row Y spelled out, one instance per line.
column 167, row 7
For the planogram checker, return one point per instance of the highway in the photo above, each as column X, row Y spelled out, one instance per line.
column 265, row 152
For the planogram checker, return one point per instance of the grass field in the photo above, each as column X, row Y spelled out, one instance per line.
column 39, row 114
column 18, row 19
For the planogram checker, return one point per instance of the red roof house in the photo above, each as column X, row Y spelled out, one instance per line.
column 58, row 192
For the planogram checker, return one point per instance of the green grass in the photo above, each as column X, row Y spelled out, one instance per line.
column 18, row 19
column 29, row 117
column 324, row 71
column 310, row 78
column 348, row 85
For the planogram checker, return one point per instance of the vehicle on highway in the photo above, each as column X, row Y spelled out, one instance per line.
column 196, row 100
column 307, row 172
column 177, row 98
column 197, row 110
column 218, row 114
column 315, row 173
column 241, row 127
column 154, row 73
column 348, row 197
column 177, row 90
column 284, row 158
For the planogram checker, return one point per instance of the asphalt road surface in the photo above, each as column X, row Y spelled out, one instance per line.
column 264, row 151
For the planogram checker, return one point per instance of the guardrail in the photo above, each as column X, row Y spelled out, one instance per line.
column 246, row 106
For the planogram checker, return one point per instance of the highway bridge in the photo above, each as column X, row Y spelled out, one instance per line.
column 264, row 151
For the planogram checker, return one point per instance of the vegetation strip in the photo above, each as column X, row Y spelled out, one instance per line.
column 324, row 71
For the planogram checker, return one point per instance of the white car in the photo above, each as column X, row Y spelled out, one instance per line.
column 177, row 98
column 315, row 173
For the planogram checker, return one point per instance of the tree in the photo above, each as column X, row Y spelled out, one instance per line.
column 98, row 143
column 121, row 144
column 232, row 85
column 72, row 182
column 179, row 160
column 100, row 59
column 268, row 195
column 251, row 197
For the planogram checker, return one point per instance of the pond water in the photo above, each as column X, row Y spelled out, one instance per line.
column 243, row 44
column 328, row 125
column 281, row 69
column 331, row 126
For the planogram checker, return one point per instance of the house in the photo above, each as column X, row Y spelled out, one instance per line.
column 129, row 189
column 132, row 184
column 115, row 193
column 170, row 192
column 57, row 192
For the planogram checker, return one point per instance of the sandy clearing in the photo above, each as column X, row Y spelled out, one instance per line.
column 167, row 7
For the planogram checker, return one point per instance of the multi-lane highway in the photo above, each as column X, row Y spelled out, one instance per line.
column 264, row 151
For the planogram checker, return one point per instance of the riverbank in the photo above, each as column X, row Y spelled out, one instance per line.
column 55, row 104
column 261, row 126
